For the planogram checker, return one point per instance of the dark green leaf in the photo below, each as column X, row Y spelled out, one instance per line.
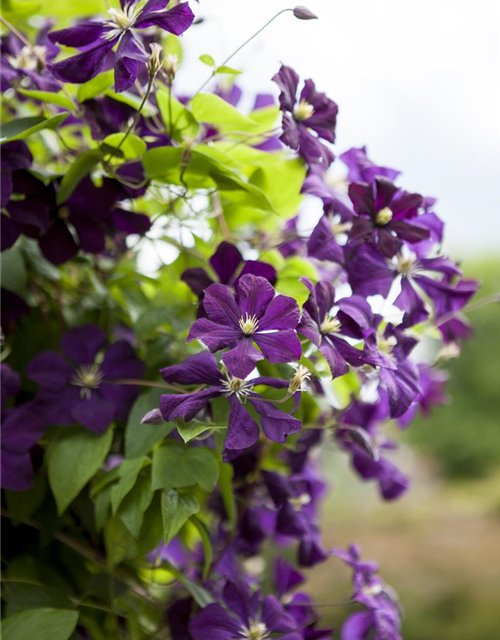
column 176, row 466
column 42, row 624
column 95, row 87
column 49, row 97
column 134, row 506
column 24, row 127
column 141, row 438
column 176, row 510
column 128, row 473
column 207, row 546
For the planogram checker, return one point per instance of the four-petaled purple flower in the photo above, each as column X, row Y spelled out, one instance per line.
column 81, row 388
column 247, row 616
column 97, row 39
column 242, row 431
column 311, row 112
column 256, row 315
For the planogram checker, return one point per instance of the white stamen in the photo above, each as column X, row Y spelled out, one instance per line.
column 303, row 111
column 249, row 324
column 331, row 324
column 240, row 388
column 89, row 378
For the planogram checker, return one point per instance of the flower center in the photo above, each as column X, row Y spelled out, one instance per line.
column 26, row 59
column 303, row 110
column 298, row 502
column 121, row 20
column 383, row 216
column 302, row 373
column 239, row 387
column 386, row 345
column 89, row 378
column 406, row 265
column 249, row 324
column 331, row 324
column 256, row 631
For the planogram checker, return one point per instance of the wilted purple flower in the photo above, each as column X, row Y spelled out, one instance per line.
column 242, row 431
column 248, row 617
column 229, row 266
column 381, row 620
column 21, row 428
column 327, row 329
column 257, row 315
column 80, row 387
column 311, row 112
column 382, row 215
column 97, row 39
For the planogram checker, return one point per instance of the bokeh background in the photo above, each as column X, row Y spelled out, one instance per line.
column 418, row 82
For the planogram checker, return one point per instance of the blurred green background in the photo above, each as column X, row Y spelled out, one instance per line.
column 439, row 545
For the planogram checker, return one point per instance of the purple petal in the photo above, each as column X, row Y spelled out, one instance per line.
column 197, row 280
column 276, row 424
column 357, row 626
column 237, row 598
column 309, row 328
column 402, row 386
column 257, row 268
column 21, row 429
column 355, row 316
column 130, row 222
column 336, row 362
column 275, row 618
column 58, row 245
column 175, row 20
column 121, row 361
column 288, row 82
column 212, row 335
column 214, row 622
column 198, row 369
column 83, row 343
column 17, row 471
column 241, row 360
column 254, row 295
column 220, row 305
column 282, row 313
column 9, row 230
column 95, row 413
column 225, row 262
column 83, row 67
column 243, row 431
column 411, row 303
column 322, row 244
column 185, row 405
column 281, row 346
column 80, row 35
column 50, row 370
column 368, row 272
column 91, row 236
column 128, row 54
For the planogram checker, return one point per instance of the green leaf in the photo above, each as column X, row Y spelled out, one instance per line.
column 148, row 323
column 82, row 166
column 42, row 624
column 176, row 510
column 16, row 9
column 14, row 271
column 119, row 543
column 200, row 595
column 133, row 147
column 23, row 596
column 189, row 430
column 207, row 59
column 135, row 504
column 102, row 506
column 74, row 456
column 207, row 545
column 32, row 499
column 230, row 70
column 49, row 97
column 141, row 438
column 133, row 101
column 176, row 466
column 227, row 493
column 207, row 107
column 129, row 471
column 22, row 128
column 95, row 87
column 183, row 121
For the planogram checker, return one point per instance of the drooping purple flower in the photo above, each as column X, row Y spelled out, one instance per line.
column 247, row 616
column 243, row 431
column 307, row 119
column 335, row 223
column 382, row 618
column 382, row 216
column 79, row 387
column 96, row 40
column 229, row 266
column 21, row 429
column 327, row 329
column 256, row 315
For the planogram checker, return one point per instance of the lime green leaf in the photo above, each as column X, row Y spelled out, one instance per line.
column 172, row 46
column 189, row 430
column 208, row 60
column 22, row 128
column 230, row 70
column 227, row 492
column 133, row 101
column 42, row 624
column 80, row 168
column 95, row 87
column 207, row 107
column 128, row 472
column 133, row 147
column 49, row 97
column 73, row 9
column 183, row 121
column 176, row 510
column 175, row 466
column 16, row 9
column 74, row 456
column 141, row 438
column 207, row 546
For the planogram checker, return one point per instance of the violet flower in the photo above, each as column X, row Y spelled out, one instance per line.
column 97, row 39
column 256, row 315
column 21, row 429
column 243, row 431
column 247, row 616
column 304, row 116
column 382, row 214
column 362, row 169
column 22, row 68
column 79, row 387
column 336, row 222
column 327, row 329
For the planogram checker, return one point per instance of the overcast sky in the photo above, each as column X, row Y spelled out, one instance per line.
column 418, row 82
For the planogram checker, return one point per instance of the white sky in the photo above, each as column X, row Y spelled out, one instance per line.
column 417, row 81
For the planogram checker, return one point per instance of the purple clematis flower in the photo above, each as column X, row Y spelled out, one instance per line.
column 312, row 113
column 80, row 388
column 229, row 266
column 382, row 212
column 381, row 620
column 328, row 329
column 97, row 39
column 247, row 616
column 21, row 68
column 256, row 315
column 335, row 223
column 21, row 429
column 242, row 431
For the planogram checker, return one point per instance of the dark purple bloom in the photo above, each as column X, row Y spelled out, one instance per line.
column 247, row 616
column 381, row 620
column 242, row 431
column 22, row 427
column 13, row 309
column 304, row 116
column 81, row 389
column 327, row 329
column 382, row 214
column 256, row 315
column 229, row 266
column 97, row 39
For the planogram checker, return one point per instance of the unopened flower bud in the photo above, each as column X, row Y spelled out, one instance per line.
column 171, row 66
column 301, row 374
column 153, row 417
column 303, row 13
column 155, row 61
